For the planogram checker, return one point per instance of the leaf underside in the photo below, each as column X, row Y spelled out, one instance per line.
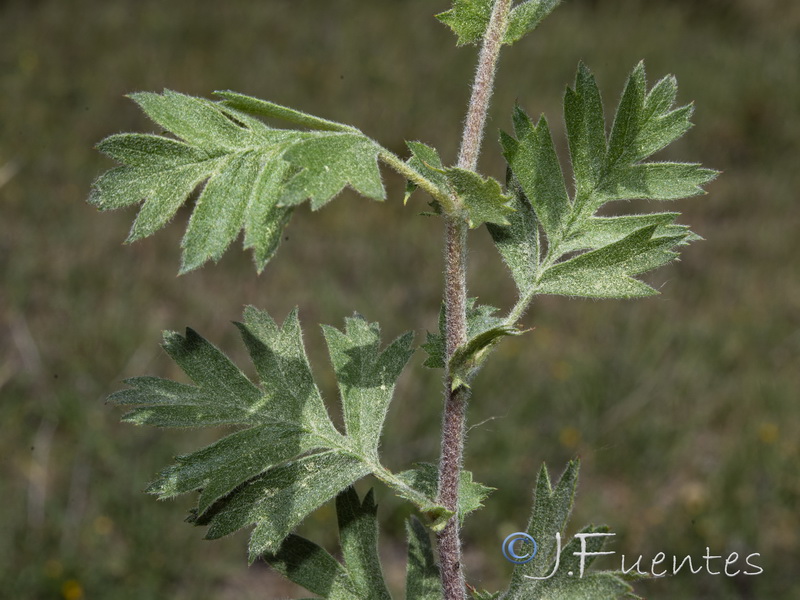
column 249, row 176
column 555, row 243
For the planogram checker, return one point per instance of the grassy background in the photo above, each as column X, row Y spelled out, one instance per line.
column 683, row 407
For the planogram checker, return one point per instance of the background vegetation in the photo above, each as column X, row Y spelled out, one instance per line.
column 683, row 407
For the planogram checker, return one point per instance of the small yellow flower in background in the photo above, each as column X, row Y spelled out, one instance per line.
column 569, row 437
column 71, row 590
column 768, row 432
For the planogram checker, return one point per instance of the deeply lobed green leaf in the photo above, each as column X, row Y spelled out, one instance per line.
column 250, row 175
column 289, row 458
column 552, row 507
column 555, row 244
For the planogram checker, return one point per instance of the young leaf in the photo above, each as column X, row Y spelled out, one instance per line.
column 482, row 198
column 289, row 459
column 425, row 478
column 422, row 572
column 252, row 174
column 426, row 161
column 468, row 19
column 480, row 319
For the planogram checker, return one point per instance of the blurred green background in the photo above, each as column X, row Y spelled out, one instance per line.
column 683, row 407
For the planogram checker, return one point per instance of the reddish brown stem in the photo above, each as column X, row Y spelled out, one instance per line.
column 455, row 301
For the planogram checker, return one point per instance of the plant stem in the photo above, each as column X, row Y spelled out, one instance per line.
column 455, row 301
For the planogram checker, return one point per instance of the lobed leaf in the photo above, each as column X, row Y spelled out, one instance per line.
column 482, row 198
column 533, row 160
column 587, row 255
column 250, row 175
column 518, row 243
column 552, row 506
column 328, row 163
column 424, row 477
column 469, row 19
column 289, row 458
column 312, row 567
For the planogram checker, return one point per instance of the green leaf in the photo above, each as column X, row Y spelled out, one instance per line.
column 484, row 595
column 484, row 330
column 658, row 181
column 358, row 535
column 587, row 255
column 308, row 565
column 422, row 574
column 585, row 121
column 264, row 108
column 608, row 272
column 425, row 478
column 360, row 577
column 552, row 506
column 518, row 242
column 366, row 377
column 482, row 198
column 425, row 161
column 526, row 16
column 533, row 160
column 468, row 19
column 469, row 358
column 328, row 163
column 288, row 458
column 250, row 175
column 602, row 231
column 480, row 319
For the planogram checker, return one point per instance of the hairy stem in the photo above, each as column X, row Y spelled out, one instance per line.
column 455, row 301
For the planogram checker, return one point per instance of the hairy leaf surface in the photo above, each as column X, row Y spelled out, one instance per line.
column 250, row 175
column 556, row 244
column 552, row 507
column 469, row 19
column 288, row 458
